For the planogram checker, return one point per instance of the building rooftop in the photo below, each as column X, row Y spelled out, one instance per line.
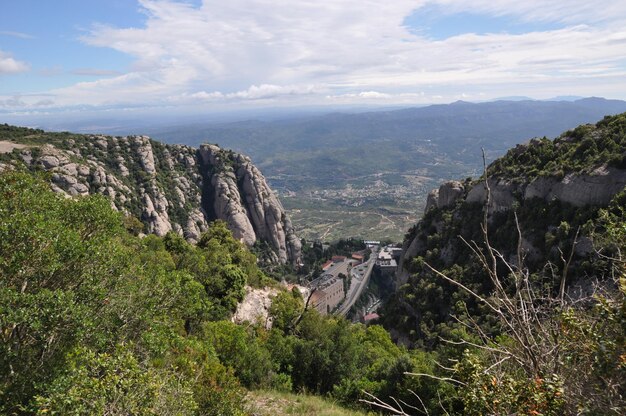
column 370, row 317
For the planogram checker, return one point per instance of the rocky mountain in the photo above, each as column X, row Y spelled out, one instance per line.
column 168, row 187
column 554, row 192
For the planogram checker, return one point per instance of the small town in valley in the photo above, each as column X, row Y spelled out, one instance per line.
column 345, row 279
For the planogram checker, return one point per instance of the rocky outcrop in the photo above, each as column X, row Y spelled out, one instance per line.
column 255, row 307
column 502, row 194
column 444, row 197
column 449, row 193
column 579, row 190
column 410, row 248
column 596, row 188
column 432, row 200
column 256, row 304
column 243, row 199
column 170, row 187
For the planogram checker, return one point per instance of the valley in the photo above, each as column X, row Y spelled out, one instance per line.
column 73, row 243
column 368, row 174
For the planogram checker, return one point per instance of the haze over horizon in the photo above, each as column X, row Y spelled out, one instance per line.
column 167, row 56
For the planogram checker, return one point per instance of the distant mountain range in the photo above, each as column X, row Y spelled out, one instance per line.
column 490, row 122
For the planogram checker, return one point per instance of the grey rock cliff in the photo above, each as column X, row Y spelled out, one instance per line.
column 243, row 198
column 448, row 193
column 595, row 188
column 171, row 187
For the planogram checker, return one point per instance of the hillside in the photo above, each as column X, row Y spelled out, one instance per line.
column 555, row 188
column 517, row 262
column 168, row 187
column 96, row 319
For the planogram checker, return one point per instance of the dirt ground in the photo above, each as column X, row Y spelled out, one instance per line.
column 6, row 147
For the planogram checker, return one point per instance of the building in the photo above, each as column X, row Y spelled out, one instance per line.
column 388, row 255
column 327, row 294
column 358, row 256
column 370, row 317
column 318, row 301
column 387, row 259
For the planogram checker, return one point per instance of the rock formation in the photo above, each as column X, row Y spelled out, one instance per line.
column 255, row 307
column 170, row 187
column 596, row 188
column 243, row 199
column 447, row 194
column 578, row 189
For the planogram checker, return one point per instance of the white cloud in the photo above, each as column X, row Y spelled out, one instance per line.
column 18, row 101
column 19, row 35
column 566, row 11
column 8, row 65
column 94, row 72
column 265, row 91
column 359, row 50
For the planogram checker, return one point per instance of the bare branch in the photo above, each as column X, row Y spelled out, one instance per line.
column 566, row 265
column 421, row 402
column 447, row 379
column 441, row 404
column 497, row 363
column 379, row 403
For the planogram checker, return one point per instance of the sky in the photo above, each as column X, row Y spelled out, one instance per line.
column 203, row 55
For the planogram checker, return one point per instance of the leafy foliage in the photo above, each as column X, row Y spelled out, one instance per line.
column 527, row 317
column 580, row 150
column 94, row 320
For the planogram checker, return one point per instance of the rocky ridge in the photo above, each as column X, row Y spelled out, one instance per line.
column 579, row 190
column 587, row 175
column 169, row 187
column 548, row 203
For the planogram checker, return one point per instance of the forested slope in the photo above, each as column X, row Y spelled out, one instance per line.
column 534, row 244
column 95, row 320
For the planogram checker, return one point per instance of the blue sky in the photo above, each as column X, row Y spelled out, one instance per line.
column 59, row 55
column 47, row 36
column 434, row 22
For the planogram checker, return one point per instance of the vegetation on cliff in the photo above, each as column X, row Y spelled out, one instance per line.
column 167, row 187
column 524, row 304
column 580, row 150
column 95, row 320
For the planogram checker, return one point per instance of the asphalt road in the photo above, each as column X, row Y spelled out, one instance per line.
column 353, row 295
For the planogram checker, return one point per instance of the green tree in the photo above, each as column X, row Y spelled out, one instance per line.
column 285, row 309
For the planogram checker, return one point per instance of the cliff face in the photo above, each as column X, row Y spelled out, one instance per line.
column 579, row 190
column 240, row 196
column 169, row 187
column 582, row 168
column 549, row 200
